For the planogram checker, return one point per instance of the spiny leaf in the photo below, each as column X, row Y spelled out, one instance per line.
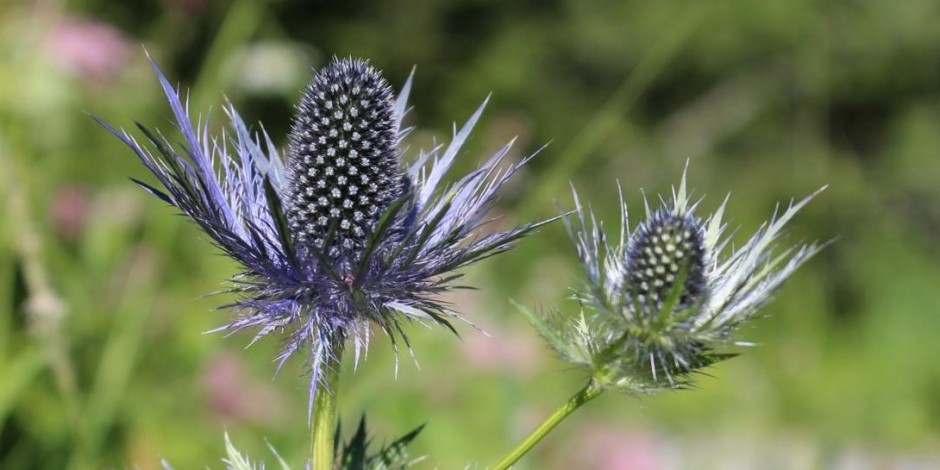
column 280, row 221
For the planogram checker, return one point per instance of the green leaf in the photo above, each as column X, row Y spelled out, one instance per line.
column 355, row 456
column 354, row 452
column 395, row 455
column 234, row 459
column 280, row 221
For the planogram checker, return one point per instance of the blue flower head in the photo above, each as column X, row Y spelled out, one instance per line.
column 664, row 300
column 339, row 234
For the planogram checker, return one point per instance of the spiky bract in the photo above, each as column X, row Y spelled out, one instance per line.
column 318, row 286
column 665, row 299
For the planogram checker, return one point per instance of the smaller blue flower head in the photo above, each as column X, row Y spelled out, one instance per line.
column 663, row 301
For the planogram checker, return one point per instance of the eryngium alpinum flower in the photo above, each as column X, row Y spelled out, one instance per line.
column 665, row 299
column 341, row 234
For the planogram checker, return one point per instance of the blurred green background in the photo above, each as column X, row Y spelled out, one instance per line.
column 103, row 359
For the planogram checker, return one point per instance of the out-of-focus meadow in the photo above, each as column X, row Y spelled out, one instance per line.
column 103, row 358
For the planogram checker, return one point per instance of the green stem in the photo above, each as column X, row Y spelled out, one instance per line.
column 586, row 394
column 324, row 410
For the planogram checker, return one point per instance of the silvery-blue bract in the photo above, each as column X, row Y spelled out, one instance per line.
column 337, row 233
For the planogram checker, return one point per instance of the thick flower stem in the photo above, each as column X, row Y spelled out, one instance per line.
column 586, row 394
column 324, row 410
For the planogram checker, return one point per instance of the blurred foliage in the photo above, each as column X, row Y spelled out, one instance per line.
column 103, row 360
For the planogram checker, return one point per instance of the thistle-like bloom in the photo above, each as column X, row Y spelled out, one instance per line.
column 339, row 234
column 665, row 299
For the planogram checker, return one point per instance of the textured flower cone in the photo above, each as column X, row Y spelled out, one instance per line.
column 665, row 250
column 343, row 167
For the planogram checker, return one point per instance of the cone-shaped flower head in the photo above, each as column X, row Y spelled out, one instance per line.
column 344, row 168
column 667, row 298
column 666, row 254
column 341, row 235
